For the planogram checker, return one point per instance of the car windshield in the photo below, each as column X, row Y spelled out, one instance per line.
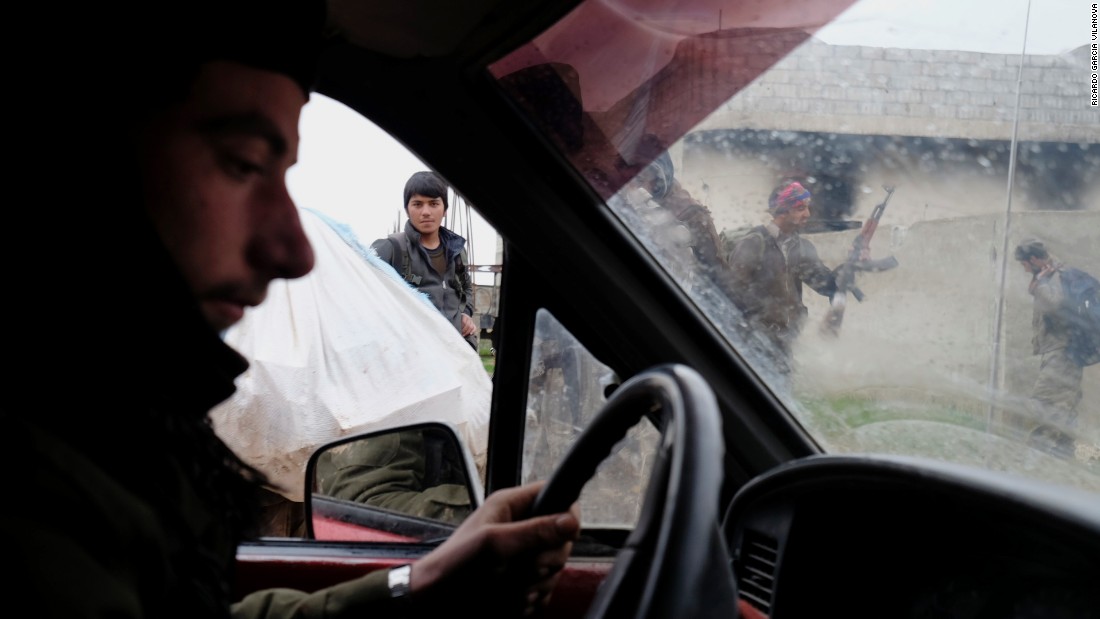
column 879, row 204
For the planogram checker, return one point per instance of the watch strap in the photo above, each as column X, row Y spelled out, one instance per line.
column 398, row 580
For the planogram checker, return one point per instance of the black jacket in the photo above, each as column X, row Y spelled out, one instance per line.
column 439, row 288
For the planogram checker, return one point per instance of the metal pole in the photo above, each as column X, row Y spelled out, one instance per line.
column 998, row 318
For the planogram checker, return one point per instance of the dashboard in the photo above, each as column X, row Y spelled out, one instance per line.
column 870, row 536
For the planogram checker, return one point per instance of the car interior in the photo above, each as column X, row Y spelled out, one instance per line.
column 892, row 479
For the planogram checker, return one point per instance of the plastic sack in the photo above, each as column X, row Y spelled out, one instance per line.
column 348, row 348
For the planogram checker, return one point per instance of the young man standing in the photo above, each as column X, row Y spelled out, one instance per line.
column 770, row 263
column 131, row 506
column 429, row 256
column 1057, row 390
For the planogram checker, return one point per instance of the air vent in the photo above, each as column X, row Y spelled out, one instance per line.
column 756, row 566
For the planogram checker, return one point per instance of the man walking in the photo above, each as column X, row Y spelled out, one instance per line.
column 1057, row 389
column 430, row 257
column 769, row 264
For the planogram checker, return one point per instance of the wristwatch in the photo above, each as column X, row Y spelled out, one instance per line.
column 399, row 581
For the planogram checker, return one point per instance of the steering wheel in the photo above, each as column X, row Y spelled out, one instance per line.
column 675, row 563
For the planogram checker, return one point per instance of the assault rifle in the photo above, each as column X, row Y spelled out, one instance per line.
column 859, row 260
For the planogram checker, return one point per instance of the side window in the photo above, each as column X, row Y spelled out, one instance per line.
column 566, row 388
column 357, row 346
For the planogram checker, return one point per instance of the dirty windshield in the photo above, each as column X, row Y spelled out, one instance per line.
column 891, row 210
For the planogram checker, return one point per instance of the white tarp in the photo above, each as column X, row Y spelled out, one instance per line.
column 348, row 348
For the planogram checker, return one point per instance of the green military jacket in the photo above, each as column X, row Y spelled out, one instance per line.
column 392, row 471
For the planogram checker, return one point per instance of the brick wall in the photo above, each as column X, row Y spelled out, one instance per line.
column 870, row 90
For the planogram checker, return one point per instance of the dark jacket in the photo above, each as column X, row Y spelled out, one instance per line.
column 128, row 504
column 439, row 287
column 769, row 287
column 120, row 499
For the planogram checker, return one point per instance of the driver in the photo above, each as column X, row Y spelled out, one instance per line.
column 173, row 222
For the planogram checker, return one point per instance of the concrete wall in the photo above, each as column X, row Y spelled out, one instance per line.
column 927, row 328
column 735, row 183
column 934, row 93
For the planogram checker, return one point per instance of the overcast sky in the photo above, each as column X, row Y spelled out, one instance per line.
column 993, row 26
column 355, row 173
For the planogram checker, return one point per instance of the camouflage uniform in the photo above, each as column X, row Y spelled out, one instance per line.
column 1057, row 390
column 768, row 283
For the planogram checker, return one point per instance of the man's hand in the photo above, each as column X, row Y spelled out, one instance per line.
column 497, row 557
column 468, row 326
column 1043, row 273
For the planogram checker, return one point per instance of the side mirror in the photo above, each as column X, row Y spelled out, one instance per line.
column 413, row 483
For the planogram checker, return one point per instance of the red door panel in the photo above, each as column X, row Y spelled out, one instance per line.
column 308, row 569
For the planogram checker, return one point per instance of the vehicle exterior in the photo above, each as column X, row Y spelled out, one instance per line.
column 555, row 111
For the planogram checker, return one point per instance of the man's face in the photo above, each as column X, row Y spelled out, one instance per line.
column 793, row 218
column 215, row 187
column 1030, row 265
column 426, row 214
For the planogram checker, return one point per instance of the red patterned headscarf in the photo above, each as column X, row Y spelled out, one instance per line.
column 787, row 197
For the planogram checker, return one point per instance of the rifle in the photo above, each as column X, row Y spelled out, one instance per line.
column 859, row 260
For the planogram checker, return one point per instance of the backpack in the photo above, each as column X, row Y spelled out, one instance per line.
column 729, row 238
column 1081, row 314
column 401, row 265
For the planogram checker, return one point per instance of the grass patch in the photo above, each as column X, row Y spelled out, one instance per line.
column 838, row 415
column 488, row 360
